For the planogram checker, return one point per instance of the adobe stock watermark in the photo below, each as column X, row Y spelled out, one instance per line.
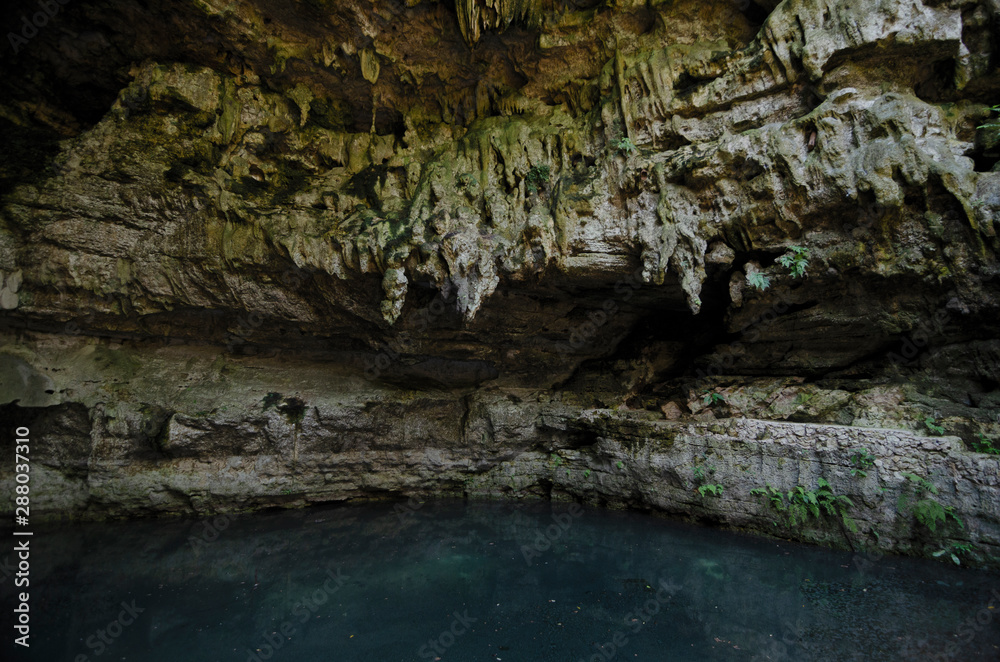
column 750, row 333
column 436, row 647
column 100, row 641
column 968, row 630
column 302, row 610
column 392, row 349
column 210, row 532
column 37, row 21
column 867, row 560
column 404, row 511
column 585, row 332
column 246, row 324
column 73, row 327
column 635, row 622
column 919, row 338
column 793, row 646
column 544, row 538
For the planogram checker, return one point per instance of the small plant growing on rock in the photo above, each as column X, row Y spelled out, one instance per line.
column 626, row 146
column 711, row 398
column 799, row 504
column 995, row 122
column 926, row 508
column 776, row 498
column 758, row 280
column 795, row 260
column 699, row 473
column 932, row 426
column 929, row 512
column 860, row 462
column 833, row 504
column 954, row 551
column 714, row 490
column 802, row 399
column 983, row 444
column 537, row 178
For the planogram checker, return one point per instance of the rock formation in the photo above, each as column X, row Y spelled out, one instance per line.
column 258, row 253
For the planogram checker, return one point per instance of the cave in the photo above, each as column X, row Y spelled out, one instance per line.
column 500, row 329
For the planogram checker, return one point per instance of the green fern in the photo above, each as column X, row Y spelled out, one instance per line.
column 984, row 444
column 994, row 124
column 932, row 425
column 861, row 461
column 922, row 484
column 712, row 398
column 927, row 510
column 714, row 490
column 758, row 280
column 537, row 177
column 795, row 260
column 799, row 505
column 954, row 550
column 626, row 146
column 775, row 497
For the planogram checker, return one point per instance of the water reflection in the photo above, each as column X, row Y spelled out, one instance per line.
column 520, row 582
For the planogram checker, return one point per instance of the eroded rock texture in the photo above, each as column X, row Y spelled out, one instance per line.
column 281, row 252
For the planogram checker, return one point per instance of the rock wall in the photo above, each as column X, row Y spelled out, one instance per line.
column 278, row 253
column 329, row 436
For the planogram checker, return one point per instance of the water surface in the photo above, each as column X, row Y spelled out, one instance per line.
column 483, row 582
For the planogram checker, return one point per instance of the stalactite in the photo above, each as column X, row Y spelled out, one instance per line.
column 620, row 80
column 369, row 65
column 478, row 16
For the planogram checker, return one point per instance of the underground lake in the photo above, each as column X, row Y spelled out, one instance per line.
column 521, row 582
column 500, row 330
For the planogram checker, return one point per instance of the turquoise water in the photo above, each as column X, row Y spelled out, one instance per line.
column 483, row 582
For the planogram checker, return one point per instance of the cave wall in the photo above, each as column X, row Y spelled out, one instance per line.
column 260, row 254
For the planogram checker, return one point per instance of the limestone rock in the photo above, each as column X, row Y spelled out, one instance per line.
column 417, row 248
